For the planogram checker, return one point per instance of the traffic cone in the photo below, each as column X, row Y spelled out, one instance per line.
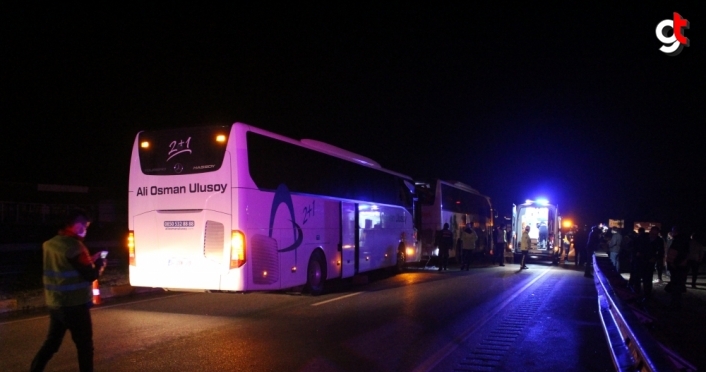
column 96, row 293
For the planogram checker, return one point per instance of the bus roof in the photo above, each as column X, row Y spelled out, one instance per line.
column 326, row 149
column 339, row 152
column 462, row 186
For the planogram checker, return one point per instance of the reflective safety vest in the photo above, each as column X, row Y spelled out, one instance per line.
column 525, row 241
column 63, row 285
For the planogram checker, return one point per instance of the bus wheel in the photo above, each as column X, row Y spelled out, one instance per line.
column 400, row 262
column 316, row 274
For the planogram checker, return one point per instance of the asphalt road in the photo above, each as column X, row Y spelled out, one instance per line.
column 488, row 318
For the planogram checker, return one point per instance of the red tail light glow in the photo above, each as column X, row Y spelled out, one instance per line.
column 237, row 249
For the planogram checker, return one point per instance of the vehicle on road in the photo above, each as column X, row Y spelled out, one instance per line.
column 545, row 229
column 454, row 203
column 238, row 208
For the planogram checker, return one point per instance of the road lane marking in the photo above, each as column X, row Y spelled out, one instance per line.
column 445, row 351
column 336, row 299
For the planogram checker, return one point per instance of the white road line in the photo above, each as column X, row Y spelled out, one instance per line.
column 336, row 299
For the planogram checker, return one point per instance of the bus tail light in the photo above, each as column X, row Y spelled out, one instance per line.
column 237, row 249
column 131, row 247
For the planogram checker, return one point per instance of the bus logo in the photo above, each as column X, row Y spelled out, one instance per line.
column 282, row 196
column 178, row 168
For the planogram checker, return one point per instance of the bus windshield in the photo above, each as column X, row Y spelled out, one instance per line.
column 182, row 151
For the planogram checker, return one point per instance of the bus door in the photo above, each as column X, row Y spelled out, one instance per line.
column 349, row 224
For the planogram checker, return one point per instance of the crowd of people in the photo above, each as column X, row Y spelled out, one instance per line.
column 642, row 253
column 676, row 254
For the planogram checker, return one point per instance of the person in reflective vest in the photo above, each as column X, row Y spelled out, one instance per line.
column 69, row 271
column 525, row 244
column 468, row 242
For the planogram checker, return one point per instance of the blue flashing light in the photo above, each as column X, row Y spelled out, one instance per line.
column 542, row 201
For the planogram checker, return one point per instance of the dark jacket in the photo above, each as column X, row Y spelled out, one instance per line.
column 594, row 240
column 445, row 239
column 653, row 250
column 580, row 239
column 681, row 245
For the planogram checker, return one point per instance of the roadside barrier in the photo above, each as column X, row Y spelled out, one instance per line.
column 632, row 347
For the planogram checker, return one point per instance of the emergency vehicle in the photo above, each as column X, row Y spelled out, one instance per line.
column 545, row 229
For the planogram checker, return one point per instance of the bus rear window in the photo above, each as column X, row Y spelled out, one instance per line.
column 182, row 151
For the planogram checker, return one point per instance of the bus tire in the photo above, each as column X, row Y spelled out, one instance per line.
column 316, row 274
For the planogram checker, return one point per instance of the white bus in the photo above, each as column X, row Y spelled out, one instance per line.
column 237, row 208
column 454, row 203
column 545, row 229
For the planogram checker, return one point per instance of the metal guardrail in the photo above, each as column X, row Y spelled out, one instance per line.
column 631, row 346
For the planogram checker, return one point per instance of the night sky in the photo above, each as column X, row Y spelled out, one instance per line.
column 573, row 102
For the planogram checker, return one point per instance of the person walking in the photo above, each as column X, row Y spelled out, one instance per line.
column 468, row 245
column 69, row 271
column 500, row 244
column 445, row 242
column 525, row 244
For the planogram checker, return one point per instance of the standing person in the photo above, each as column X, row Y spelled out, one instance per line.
column 543, row 234
column 638, row 245
column 667, row 244
column 614, row 248
column 509, row 238
column 676, row 263
column 592, row 245
column 626, row 246
column 525, row 243
column 660, row 262
column 69, row 271
column 580, row 239
column 468, row 241
column 696, row 255
column 649, row 253
column 603, row 240
column 446, row 242
column 500, row 244
column 566, row 244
